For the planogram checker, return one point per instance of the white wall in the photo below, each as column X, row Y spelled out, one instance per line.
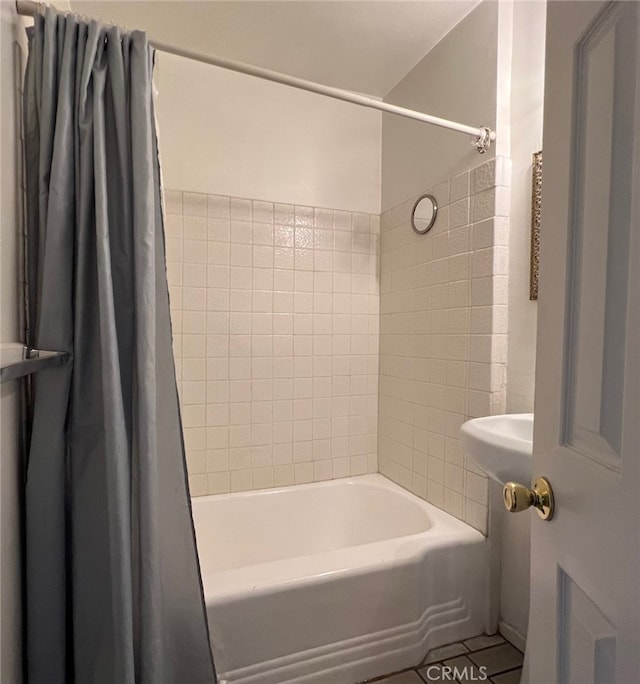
column 488, row 70
column 443, row 295
column 527, row 98
column 450, row 270
column 275, row 192
column 525, row 101
column 229, row 134
column 10, row 608
column 457, row 81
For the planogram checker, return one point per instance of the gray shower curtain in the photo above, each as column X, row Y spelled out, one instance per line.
column 113, row 588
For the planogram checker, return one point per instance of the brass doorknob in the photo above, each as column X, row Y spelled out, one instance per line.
column 518, row 498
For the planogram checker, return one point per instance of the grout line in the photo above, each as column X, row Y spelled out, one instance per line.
column 486, row 648
column 511, row 669
column 467, row 653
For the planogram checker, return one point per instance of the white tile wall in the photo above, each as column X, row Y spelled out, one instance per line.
column 275, row 313
column 443, row 326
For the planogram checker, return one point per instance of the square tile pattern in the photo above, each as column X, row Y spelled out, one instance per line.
column 443, row 337
column 312, row 343
column 275, row 315
column 483, row 658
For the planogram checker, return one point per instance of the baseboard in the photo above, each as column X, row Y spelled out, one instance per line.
column 512, row 635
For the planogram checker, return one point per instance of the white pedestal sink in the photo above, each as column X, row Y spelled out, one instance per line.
column 502, row 446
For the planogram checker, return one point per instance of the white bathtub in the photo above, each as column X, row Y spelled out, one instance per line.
column 336, row 581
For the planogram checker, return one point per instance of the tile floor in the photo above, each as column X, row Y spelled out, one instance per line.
column 466, row 660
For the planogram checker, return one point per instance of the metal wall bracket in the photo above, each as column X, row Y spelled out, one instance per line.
column 16, row 360
column 483, row 142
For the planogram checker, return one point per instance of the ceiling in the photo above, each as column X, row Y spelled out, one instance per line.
column 362, row 45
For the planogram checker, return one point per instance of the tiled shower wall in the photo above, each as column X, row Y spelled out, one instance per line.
column 275, row 313
column 443, row 342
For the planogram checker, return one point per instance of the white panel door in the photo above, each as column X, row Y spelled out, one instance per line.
column 585, row 563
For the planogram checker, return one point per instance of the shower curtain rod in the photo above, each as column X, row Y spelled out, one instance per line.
column 483, row 135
